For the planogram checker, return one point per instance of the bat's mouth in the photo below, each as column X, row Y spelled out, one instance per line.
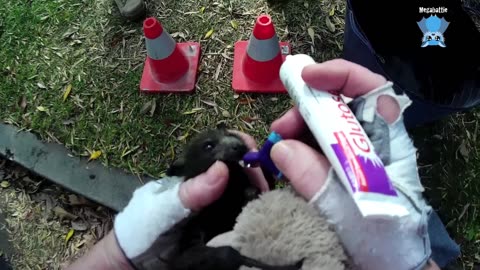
column 235, row 154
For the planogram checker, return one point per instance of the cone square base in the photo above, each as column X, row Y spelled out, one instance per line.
column 186, row 84
column 241, row 84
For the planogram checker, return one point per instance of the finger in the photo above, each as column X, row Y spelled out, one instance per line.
column 291, row 125
column 205, row 188
column 305, row 168
column 349, row 78
column 249, row 140
column 388, row 108
column 255, row 175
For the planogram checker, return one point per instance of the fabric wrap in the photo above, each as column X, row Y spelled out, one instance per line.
column 382, row 243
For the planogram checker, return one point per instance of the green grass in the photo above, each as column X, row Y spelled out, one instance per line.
column 51, row 44
column 449, row 161
column 47, row 45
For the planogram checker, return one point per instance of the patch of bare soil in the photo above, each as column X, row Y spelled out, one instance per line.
column 48, row 227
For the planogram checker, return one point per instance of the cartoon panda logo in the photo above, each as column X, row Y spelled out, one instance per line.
column 433, row 28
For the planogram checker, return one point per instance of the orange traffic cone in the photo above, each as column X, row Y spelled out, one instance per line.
column 256, row 63
column 170, row 67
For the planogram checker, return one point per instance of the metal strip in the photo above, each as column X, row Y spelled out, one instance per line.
column 111, row 187
column 161, row 47
column 263, row 50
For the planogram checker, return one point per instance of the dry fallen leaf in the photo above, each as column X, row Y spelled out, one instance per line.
column 217, row 72
column 68, row 122
column 209, row 103
column 41, row 109
column 69, row 235
column 330, row 25
column 66, row 93
column 234, row 24
column 172, row 152
column 4, row 184
column 226, row 114
column 70, row 32
column 178, row 34
column 465, row 207
column 248, row 125
column 128, row 151
column 62, row 213
column 22, row 103
column 41, row 85
column 332, row 12
column 79, row 225
column 464, row 150
column 311, row 33
column 146, row 107
column 249, row 119
column 209, row 33
column 183, row 137
column 246, row 100
column 95, row 155
column 154, row 106
column 192, row 111
column 76, row 200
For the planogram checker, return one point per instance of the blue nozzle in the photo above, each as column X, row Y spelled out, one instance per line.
column 262, row 157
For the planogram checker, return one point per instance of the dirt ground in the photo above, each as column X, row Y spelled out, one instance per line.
column 47, row 226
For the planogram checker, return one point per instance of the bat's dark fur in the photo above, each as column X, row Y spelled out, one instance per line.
column 219, row 217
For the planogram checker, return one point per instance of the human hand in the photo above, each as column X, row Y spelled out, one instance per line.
column 148, row 228
column 372, row 243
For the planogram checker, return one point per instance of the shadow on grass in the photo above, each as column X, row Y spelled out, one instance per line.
column 449, row 167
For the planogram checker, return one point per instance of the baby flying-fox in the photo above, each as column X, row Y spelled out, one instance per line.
column 198, row 155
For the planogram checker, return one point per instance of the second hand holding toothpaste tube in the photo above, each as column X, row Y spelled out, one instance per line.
column 344, row 143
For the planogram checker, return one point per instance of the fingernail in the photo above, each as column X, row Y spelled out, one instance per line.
column 280, row 154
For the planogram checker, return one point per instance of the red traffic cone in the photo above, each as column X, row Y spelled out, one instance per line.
column 170, row 67
column 256, row 63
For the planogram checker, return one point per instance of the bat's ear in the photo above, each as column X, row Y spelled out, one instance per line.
column 176, row 168
column 222, row 126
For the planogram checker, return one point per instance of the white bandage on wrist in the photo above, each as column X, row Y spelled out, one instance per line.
column 374, row 244
column 153, row 209
column 386, row 242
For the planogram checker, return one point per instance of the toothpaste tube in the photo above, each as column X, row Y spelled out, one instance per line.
column 343, row 141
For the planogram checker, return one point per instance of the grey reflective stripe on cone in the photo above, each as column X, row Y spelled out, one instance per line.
column 263, row 50
column 161, row 47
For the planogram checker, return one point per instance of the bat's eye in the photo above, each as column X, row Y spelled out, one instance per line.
column 208, row 146
column 437, row 38
column 429, row 38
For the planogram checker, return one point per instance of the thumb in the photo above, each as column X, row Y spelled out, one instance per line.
column 305, row 168
column 204, row 189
